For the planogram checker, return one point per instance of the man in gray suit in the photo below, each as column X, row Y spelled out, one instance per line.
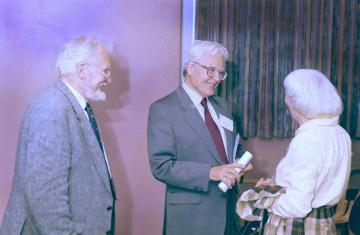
column 190, row 144
column 62, row 182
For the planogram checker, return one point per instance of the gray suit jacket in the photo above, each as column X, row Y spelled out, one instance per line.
column 61, row 184
column 181, row 153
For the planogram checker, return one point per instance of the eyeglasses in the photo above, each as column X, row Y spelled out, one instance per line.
column 212, row 71
column 106, row 73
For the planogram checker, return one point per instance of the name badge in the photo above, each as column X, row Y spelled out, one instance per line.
column 226, row 122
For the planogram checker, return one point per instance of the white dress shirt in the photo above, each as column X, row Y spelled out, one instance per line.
column 315, row 170
column 78, row 96
column 196, row 99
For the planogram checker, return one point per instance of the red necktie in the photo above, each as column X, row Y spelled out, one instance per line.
column 215, row 132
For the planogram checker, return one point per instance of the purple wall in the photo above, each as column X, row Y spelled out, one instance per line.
column 146, row 64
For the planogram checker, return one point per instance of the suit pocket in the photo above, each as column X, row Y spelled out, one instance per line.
column 183, row 198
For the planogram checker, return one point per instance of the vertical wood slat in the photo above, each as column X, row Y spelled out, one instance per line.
column 261, row 67
column 246, row 75
column 236, row 83
column 289, row 58
column 341, row 46
column 351, row 60
column 253, row 69
column 321, row 29
column 269, row 98
column 314, row 32
column 355, row 108
column 308, row 33
column 329, row 39
column 226, row 37
column 277, row 124
column 297, row 41
column 265, row 80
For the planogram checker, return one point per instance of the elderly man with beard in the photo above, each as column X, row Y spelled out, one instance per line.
column 62, row 182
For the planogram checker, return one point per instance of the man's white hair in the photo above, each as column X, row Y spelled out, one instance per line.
column 312, row 94
column 199, row 48
column 79, row 51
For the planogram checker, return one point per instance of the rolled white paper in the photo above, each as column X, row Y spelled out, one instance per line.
column 245, row 159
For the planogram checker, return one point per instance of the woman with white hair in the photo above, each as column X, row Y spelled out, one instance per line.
column 315, row 170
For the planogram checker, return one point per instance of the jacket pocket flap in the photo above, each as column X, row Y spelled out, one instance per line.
column 183, row 198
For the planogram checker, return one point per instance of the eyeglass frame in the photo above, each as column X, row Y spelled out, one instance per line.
column 211, row 69
column 99, row 71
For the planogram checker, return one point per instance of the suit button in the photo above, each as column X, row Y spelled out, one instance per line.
column 109, row 208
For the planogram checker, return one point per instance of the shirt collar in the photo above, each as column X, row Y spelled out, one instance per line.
column 194, row 96
column 78, row 96
column 317, row 122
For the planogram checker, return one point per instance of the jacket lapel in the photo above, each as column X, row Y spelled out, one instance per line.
column 194, row 119
column 95, row 152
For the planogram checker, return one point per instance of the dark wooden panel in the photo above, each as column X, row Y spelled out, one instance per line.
column 267, row 39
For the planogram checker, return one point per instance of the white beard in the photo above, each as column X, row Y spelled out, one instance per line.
column 96, row 96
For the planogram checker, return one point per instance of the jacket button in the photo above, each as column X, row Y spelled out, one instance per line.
column 108, row 208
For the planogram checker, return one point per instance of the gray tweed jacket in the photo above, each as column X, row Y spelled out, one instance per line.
column 60, row 184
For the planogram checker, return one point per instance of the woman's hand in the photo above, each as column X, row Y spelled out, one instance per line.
column 262, row 183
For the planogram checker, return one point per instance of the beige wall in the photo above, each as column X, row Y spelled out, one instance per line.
column 146, row 66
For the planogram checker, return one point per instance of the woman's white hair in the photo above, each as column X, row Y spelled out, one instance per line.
column 312, row 94
column 79, row 51
column 199, row 48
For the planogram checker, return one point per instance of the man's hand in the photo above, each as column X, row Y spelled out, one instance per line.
column 248, row 167
column 228, row 173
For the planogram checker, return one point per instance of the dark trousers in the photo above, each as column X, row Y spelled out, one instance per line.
column 232, row 219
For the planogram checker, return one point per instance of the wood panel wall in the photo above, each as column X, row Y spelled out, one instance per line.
column 267, row 39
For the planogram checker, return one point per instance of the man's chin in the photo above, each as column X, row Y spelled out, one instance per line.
column 211, row 92
column 97, row 96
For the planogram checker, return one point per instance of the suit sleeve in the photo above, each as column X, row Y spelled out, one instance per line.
column 164, row 162
column 47, row 170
